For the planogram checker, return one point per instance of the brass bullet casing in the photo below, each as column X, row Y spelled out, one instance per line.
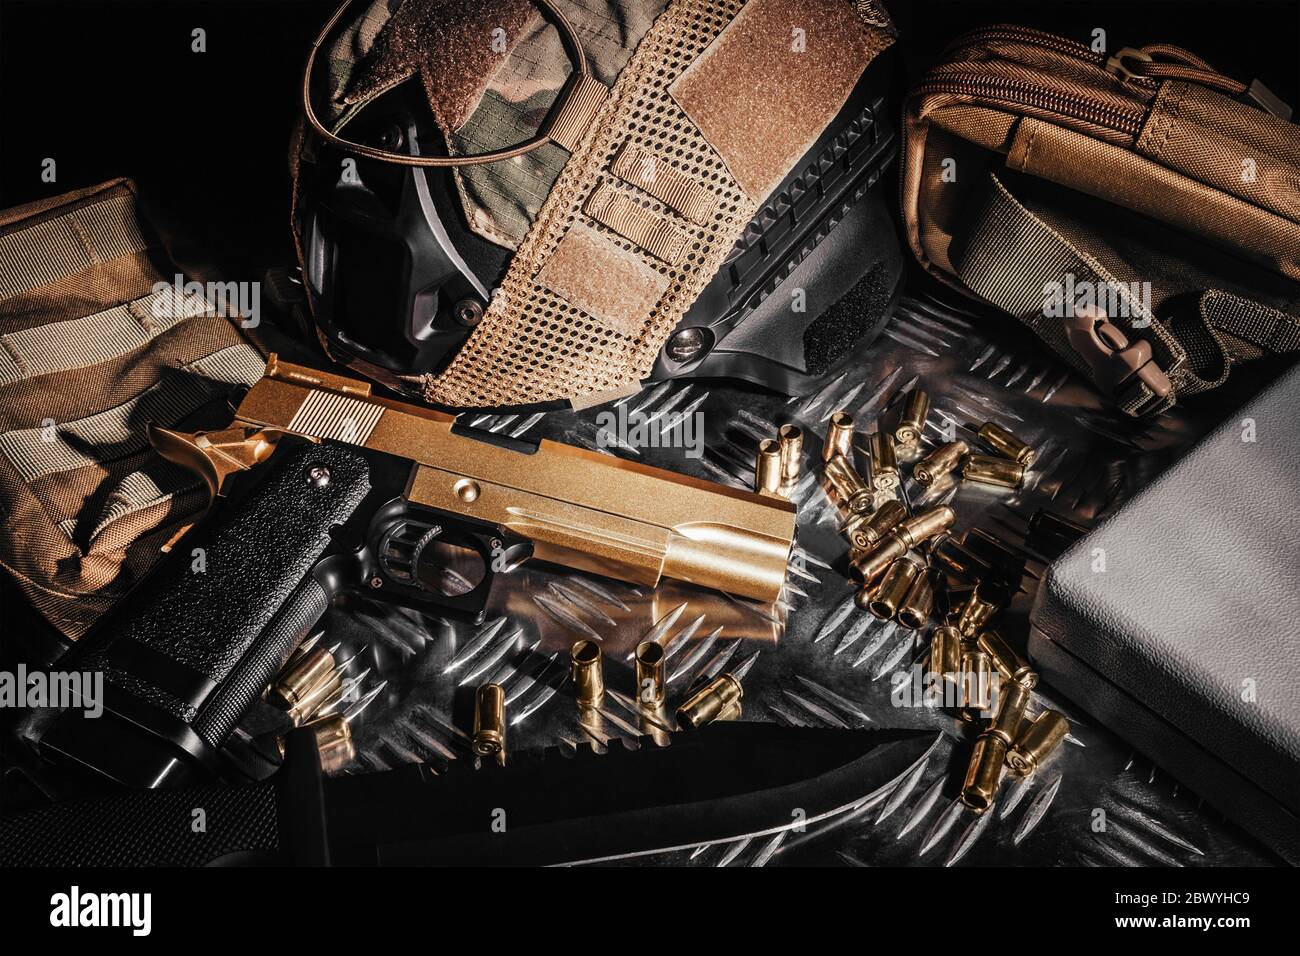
column 839, row 437
column 912, row 423
column 977, row 678
column 984, row 773
column 984, row 602
column 903, row 538
column 893, row 588
column 1037, row 741
column 315, row 699
column 1009, row 665
column 490, row 722
column 650, row 674
column 790, row 438
column 1013, row 698
column 854, row 494
column 587, row 668
column 714, row 701
column 945, row 652
column 298, row 681
column 884, row 463
column 915, row 608
column 1006, row 444
column 334, row 741
column 767, row 467
column 942, row 461
column 993, row 471
column 864, row 530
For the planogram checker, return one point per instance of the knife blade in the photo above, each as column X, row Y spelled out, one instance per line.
column 722, row 782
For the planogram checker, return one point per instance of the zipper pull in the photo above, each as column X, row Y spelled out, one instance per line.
column 1131, row 64
column 1261, row 97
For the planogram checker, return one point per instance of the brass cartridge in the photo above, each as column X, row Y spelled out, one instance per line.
column 984, row 602
column 333, row 741
column 993, row 471
column 587, row 668
column 1037, row 742
column 903, row 538
column 1009, row 665
column 650, row 674
column 839, row 437
column 790, row 438
column 490, row 722
column 942, row 461
column 767, row 467
column 299, row 680
column 1006, row 444
column 1013, row 698
column 915, row 608
column 716, row 700
column 325, row 690
column 893, row 588
column 912, row 423
column 884, row 463
column 945, row 653
column 864, row 530
column 850, row 488
column 984, row 773
column 977, row 675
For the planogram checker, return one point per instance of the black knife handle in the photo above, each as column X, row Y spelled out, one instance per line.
column 187, row 652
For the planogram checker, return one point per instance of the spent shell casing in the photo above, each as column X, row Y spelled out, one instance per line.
column 921, row 527
column 711, row 702
column 876, row 561
column 1009, row 665
column 977, row 675
column 852, row 491
column 945, row 653
column 988, row 470
column 893, row 588
column 650, row 674
column 1006, row 444
column 1013, row 698
column 490, row 722
column 911, row 425
column 587, row 668
column 839, row 437
column 864, row 530
column 790, row 438
column 986, row 600
column 984, row 773
column 767, row 467
column 329, row 687
column 914, row 610
column 299, row 679
column 884, row 463
column 1037, row 741
column 942, row 461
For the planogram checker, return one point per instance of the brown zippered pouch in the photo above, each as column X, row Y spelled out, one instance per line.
column 1140, row 212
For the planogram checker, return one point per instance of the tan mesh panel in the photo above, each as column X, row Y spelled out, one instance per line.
column 532, row 345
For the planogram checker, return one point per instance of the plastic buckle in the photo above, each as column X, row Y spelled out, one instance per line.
column 1119, row 366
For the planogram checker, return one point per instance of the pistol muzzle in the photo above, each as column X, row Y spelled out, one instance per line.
column 587, row 668
column 490, row 722
column 1006, row 444
column 1037, row 742
column 912, row 423
column 942, row 461
column 717, row 700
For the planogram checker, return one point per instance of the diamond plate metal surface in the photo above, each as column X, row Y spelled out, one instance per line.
column 817, row 659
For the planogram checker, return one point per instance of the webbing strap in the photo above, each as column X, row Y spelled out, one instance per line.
column 1269, row 328
column 1016, row 261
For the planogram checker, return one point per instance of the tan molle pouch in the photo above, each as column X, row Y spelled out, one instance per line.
column 97, row 339
column 1140, row 212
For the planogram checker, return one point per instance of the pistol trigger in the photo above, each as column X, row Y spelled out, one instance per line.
column 214, row 456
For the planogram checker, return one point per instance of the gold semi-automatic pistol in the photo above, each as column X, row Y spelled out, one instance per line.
column 320, row 488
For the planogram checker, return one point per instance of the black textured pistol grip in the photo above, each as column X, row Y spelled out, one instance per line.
column 201, row 637
column 186, row 827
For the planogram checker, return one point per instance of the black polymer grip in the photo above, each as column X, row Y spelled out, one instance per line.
column 191, row 649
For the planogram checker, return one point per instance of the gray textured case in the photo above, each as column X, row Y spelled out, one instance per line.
column 1187, row 644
